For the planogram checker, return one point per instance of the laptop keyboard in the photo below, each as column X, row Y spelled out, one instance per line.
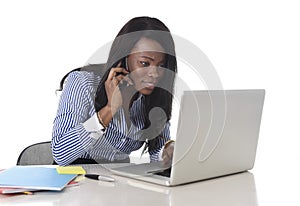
column 102, row 168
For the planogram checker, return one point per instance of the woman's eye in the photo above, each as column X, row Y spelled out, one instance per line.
column 144, row 64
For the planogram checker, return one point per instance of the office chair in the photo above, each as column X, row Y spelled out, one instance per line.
column 40, row 153
column 36, row 154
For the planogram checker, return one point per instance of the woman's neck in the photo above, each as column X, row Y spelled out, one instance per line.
column 127, row 95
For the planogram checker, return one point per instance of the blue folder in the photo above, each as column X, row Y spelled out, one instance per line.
column 33, row 177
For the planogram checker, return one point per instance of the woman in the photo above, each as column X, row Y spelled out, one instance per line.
column 105, row 115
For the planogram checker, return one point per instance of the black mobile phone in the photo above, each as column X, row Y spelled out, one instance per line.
column 123, row 65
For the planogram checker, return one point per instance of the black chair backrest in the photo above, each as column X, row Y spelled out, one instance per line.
column 36, row 154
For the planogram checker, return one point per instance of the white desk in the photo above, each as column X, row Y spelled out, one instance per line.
column 231, row 190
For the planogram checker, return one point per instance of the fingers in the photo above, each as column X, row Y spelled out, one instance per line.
column 117, row 71
column 121, row 79
column 126, row 79
column 167, row 159
column 167, row 154
column 119, row 65
column 118, row 75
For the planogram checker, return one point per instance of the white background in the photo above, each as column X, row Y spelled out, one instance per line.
column 252, row 44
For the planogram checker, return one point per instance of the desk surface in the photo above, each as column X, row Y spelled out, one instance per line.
column 230, row 190
column 278, row 186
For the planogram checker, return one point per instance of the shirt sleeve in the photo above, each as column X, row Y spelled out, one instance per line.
column 74, row 129
column 93, row 126
column 162, row 139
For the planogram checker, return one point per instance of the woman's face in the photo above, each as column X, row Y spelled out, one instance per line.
column 145, row 64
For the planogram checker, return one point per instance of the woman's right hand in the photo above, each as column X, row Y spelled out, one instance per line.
column 114, row 96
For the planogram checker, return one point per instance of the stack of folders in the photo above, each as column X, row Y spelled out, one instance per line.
column 21, row 179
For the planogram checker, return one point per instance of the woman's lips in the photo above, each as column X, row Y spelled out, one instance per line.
column 149, row 85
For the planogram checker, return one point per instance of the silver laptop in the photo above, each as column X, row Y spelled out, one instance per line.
column 217, row 135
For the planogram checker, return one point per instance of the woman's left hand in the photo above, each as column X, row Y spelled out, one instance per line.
column 167, row 154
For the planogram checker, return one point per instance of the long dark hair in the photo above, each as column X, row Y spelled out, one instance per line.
column 162, row 95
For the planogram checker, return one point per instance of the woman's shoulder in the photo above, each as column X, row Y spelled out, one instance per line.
column 96, row 69
column 83, row 76
column 87, row 77
column 82, row 80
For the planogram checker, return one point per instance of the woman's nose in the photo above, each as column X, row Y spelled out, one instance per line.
column 153, row 72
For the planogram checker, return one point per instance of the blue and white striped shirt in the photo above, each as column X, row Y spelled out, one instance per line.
column 71, row 138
